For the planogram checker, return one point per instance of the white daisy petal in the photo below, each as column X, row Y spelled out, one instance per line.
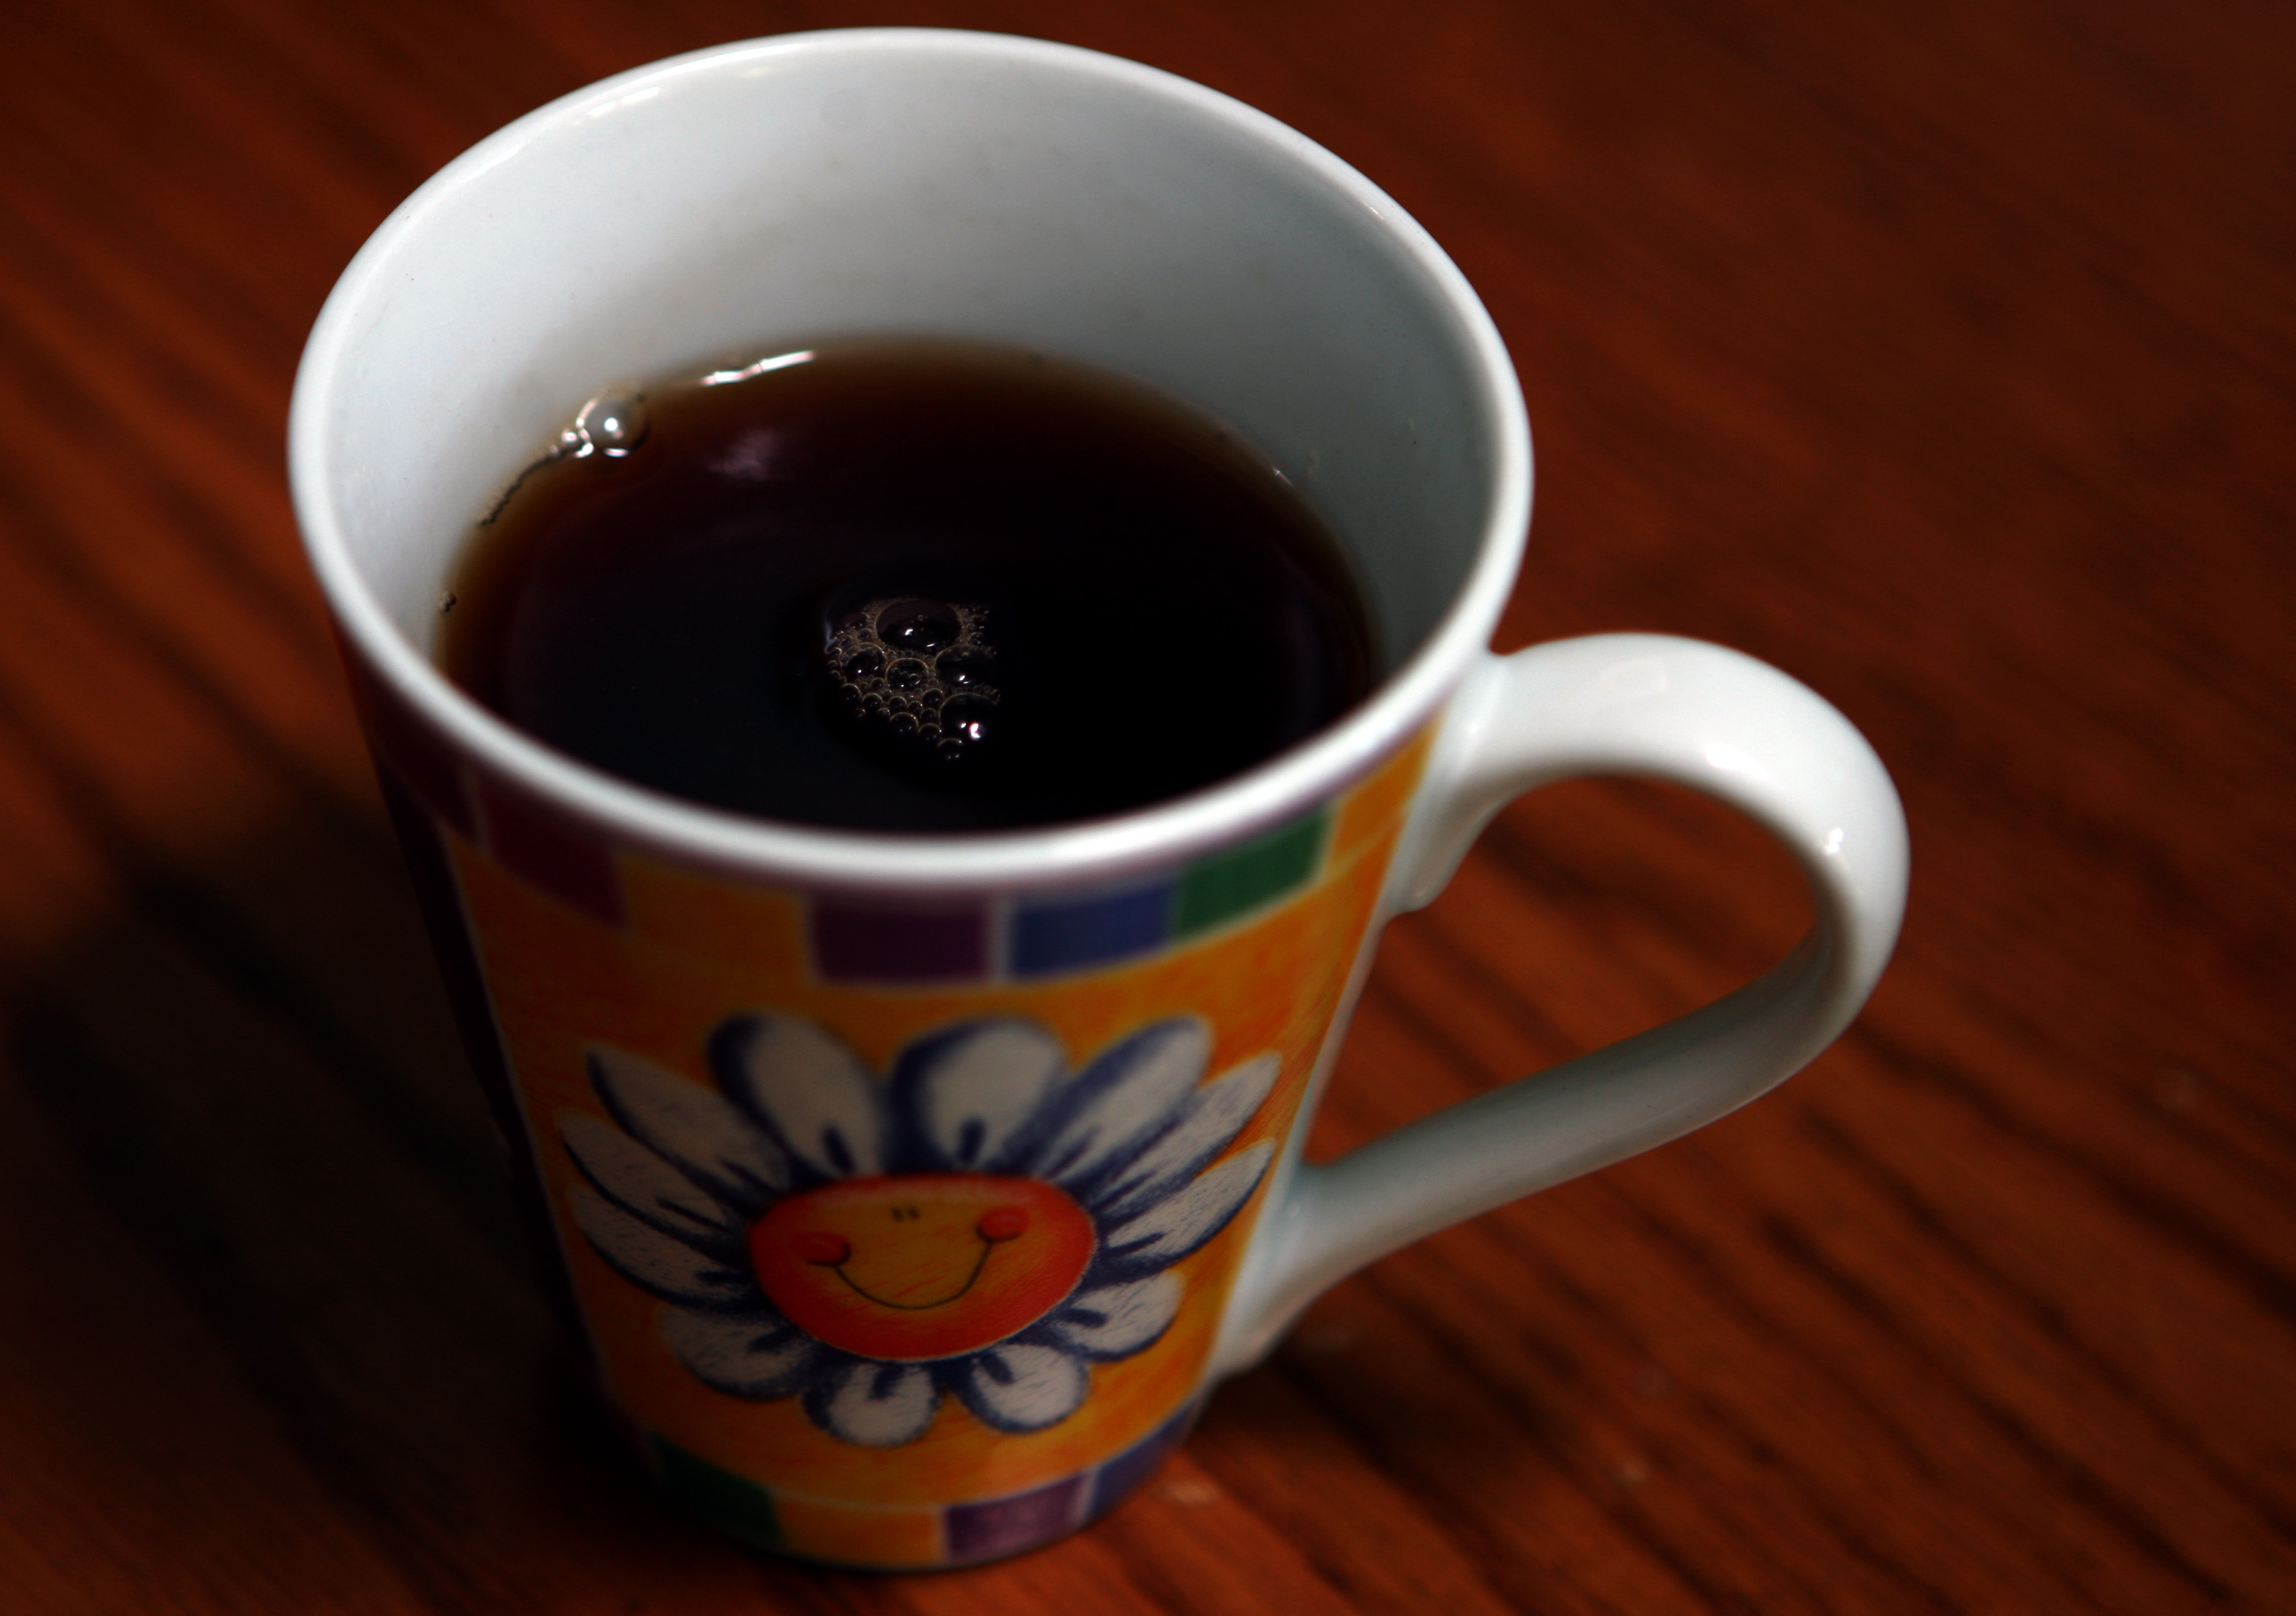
column 640, row 1182
column 654, row 1261
column 1214, row 1115
column 1023, row 1388
column 875, row 1404
column 815, row 1092
column 982, row 1083
column 693, row 1129
column 1126, row 1096
column 757, row 1355
column 1117, row 1321
column 1179, row 1224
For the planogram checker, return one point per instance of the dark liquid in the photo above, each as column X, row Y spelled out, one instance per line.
column 910, row 587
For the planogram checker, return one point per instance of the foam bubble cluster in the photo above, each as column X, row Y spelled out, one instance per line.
column 918, row 671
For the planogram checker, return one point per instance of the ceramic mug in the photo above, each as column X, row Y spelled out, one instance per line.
column 914, row 1190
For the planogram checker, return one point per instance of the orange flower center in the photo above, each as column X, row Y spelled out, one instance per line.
column 924, row 1266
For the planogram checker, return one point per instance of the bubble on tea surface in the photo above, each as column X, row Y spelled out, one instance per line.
column 610, row 424
column 970, row 718
column 917, row 672
column 918, row 625
column 963, row 669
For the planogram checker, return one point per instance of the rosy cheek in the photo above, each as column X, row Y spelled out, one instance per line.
column 821, row 1248
column 1002, row 1224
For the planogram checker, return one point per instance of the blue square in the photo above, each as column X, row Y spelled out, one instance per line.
column 1072, row 933
column 1117, row 1477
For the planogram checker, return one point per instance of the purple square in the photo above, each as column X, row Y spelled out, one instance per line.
column 1007, row 1526
column 534, row 842
column 854, row 943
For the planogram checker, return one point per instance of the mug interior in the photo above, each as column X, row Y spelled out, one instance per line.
column 759, row 198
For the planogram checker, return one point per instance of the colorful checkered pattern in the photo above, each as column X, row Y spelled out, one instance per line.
column 858, row 940
column 1040, row 937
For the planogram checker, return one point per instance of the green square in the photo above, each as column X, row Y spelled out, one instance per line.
column 1243, row 879
column 718, row 1496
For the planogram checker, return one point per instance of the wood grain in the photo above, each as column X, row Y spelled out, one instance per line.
column 1945, row 355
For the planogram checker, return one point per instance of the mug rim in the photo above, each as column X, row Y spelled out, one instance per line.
column 939, row 862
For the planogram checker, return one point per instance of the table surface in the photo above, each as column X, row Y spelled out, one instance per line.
column 1944, row 355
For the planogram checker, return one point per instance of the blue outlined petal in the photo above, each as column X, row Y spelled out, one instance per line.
column 641, row 1183
column 1215, row 1114
column 693, row 1129
column 1179, row 1224
column 874, row 1405
column 809, row 1089
column 1117, row 1321
column 755, row 1354
column 1121, row 1101
column 654, row 1261
column 967, row 1091
column 1018, row 1387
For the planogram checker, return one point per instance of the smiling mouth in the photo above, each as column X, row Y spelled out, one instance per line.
column 979, row 1263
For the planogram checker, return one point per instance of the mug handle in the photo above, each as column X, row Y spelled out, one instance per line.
column 1662, row 708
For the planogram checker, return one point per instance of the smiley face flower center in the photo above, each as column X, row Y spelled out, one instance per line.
column 920, row 1266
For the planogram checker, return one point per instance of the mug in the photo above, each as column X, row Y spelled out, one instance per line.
column 911, row 1192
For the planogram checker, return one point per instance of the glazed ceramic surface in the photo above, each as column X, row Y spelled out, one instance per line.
column 914, row 1191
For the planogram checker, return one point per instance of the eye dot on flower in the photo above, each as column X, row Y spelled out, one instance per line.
column 823, row 1249
column 1003, row 1223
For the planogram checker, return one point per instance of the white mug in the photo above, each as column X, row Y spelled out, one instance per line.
column 700, row 1032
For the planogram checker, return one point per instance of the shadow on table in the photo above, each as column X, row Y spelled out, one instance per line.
column 251, row 1065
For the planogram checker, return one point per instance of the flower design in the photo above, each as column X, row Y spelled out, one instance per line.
column 982, row 1223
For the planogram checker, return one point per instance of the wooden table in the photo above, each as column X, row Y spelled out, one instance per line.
column 1944, row 355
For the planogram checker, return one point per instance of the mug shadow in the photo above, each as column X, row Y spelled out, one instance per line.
column 242, row 1091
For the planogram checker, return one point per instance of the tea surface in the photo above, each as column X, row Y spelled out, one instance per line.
column 907, row 586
